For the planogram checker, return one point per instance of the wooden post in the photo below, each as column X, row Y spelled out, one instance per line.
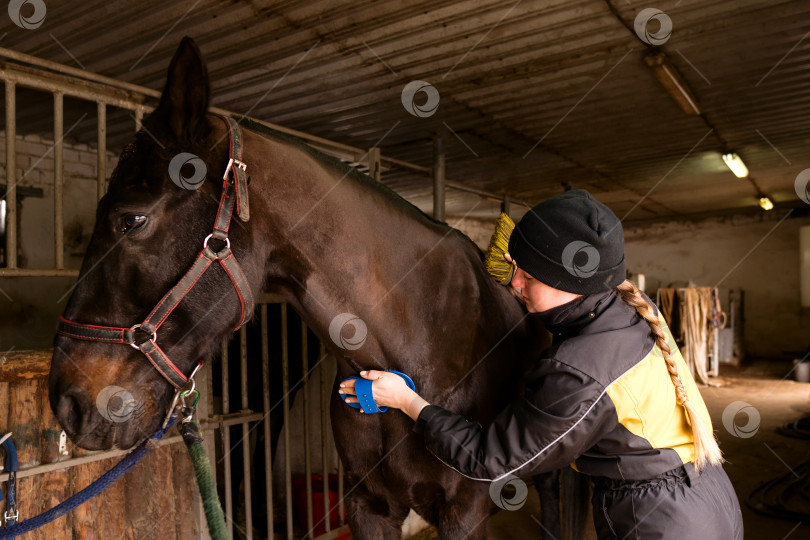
column 25, row 365
column 185, row 522
column 3, row 420
column 54, row 487
column 149, row 497
column 24, row 421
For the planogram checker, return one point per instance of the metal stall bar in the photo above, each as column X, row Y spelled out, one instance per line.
column 324, row 441
column 226, row 441
column 374, row 168
column 246, row 434
column 38, row 272
column 205, row 410
column 285, row 378
column 105, row 91
column 79, row 89
column 58, row 178
column 206, row 426
column 438, row 178
column 506, row 205
column 11, row 175
column 138, row 116
column 75, row 462
column 268, row 461
column 307, row 457
column 102, row 148
column 59, row 86
column 341, row 504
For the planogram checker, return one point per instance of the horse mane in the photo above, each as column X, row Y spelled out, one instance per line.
column 346, row 169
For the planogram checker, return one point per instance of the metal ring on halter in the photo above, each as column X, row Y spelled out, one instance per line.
column 136, row 345
column 192, row 384
column 193, row 373
column 207, row 238
column 191, row 388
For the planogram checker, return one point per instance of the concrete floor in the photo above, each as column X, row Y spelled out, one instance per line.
column 750, row 461
column 767, row 454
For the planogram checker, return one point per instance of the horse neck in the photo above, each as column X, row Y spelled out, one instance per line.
column 343, row 245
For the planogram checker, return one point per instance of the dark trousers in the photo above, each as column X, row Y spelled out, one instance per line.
column 677, row 504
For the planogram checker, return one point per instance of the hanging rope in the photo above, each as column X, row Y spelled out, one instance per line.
column 697, row 311
column 190, row 431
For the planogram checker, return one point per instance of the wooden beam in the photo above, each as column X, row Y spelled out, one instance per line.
column 25, row 365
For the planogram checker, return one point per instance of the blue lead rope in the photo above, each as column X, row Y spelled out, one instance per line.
column 104, row 481
column 11, row 465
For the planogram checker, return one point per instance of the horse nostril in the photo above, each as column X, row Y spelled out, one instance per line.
column 70, row 413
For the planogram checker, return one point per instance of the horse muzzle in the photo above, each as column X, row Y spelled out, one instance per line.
column 100, row 407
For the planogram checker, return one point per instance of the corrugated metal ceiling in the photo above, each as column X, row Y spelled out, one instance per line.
column 532, row 93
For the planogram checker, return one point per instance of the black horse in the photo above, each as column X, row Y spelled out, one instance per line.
column 331, row 241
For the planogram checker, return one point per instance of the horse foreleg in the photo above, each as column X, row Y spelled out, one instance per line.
column 374, row 516
column 465, row 516
column 548, row 487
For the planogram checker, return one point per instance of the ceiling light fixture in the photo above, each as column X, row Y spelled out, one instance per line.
column 765, row 203
column 673, row 83
column 735, row 163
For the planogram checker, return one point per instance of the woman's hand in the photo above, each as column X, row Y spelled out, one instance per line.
column 388, row 390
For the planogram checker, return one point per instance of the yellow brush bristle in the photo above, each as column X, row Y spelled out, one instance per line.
column 495, row 263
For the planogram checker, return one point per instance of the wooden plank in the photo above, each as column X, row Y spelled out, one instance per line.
column 185, row 523
column 25, row 365
column 149, row 505
column 3, row 423
column 24, row 421
column 3, row 408
column 113, row 500
column 87, row 519
column 54, row 486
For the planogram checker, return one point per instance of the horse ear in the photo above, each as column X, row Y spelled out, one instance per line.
column 184, row 101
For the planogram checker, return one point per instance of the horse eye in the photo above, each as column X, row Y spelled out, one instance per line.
column 132, row 222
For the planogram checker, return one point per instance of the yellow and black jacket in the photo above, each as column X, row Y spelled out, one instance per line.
column 599, row 398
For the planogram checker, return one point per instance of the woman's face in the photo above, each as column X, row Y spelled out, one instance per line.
column 537, row 295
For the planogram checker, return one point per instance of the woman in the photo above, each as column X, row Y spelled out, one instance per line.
column 612, row 396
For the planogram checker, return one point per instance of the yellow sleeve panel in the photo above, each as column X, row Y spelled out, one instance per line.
column 646, row 405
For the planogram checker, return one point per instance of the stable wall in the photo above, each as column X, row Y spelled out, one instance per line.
column 30, row 307
column 758, row 254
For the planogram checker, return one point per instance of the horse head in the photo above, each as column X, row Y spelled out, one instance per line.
column 163, row 199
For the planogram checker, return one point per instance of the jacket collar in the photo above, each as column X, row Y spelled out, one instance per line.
column 568, row 319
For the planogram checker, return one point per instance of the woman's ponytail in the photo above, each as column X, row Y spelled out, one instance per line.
column 706, row 449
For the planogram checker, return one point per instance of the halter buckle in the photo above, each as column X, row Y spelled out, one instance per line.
column 11, row 517
column 137, row 346
column 234, row 163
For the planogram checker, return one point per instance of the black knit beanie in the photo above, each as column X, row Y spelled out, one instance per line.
column 571, row 242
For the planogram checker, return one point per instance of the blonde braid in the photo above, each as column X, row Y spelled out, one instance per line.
column 706, row 449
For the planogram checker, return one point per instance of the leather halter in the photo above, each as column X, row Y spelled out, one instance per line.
column 234, row 186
